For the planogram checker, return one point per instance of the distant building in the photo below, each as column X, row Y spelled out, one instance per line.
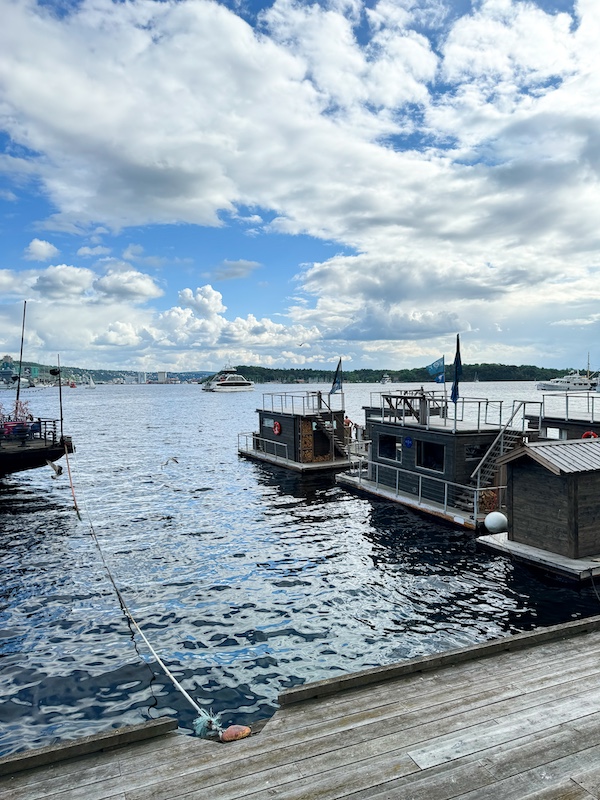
column 162, row 377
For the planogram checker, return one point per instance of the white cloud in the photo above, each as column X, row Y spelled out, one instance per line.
column 89, row 252
column 39, row 250
column 127, row 284
column 230, row 270
column 206, row 302
column 454, row 161
column 63, row 281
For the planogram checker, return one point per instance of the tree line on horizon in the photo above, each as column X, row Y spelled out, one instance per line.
column 470, row 372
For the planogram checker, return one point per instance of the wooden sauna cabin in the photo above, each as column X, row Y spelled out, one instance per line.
column 434, row 456
column 552, row 499
column 301, row 431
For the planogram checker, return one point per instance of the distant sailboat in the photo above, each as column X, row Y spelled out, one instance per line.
column 90, row 384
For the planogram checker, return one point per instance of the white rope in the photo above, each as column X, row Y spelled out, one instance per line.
column 121, row 599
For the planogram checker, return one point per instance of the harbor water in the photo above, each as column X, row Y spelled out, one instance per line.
column 245, row 578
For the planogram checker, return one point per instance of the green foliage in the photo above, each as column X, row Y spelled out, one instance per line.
column 471, row 372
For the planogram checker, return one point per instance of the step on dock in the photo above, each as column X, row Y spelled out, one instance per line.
column 512, row 719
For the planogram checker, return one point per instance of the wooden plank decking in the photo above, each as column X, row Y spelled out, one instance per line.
column 479, row 723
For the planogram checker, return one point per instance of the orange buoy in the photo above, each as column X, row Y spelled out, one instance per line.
column 234, row 732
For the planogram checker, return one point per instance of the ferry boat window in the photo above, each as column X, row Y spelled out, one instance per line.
column 268, row 423
column 390, row 447
column 430, row 455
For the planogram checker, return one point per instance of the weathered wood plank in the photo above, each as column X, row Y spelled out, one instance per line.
column 555, row 744
column 86, row 744
column 512, row 726
column 534, row 781
column 416, row 690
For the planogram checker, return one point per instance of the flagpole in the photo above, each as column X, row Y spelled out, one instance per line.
column 445, row 399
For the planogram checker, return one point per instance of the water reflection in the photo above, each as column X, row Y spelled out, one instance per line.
column 246, row 578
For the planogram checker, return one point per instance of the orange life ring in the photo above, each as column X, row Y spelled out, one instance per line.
column 590, row 435
column 277, row 428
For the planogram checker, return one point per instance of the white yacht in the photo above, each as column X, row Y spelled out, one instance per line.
column 228, row 380
column 573, row 382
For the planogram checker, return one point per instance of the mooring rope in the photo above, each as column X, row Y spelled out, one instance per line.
column 121, row 599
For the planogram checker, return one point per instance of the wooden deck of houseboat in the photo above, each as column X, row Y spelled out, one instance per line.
column 336, row 465
column 513, row 719
column 16, row 457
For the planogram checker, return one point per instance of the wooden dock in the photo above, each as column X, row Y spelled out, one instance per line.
column 513, row 719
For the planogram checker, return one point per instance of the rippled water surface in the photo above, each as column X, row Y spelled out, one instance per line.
column 246, row 579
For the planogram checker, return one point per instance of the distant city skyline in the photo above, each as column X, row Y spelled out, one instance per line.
column 284, row 184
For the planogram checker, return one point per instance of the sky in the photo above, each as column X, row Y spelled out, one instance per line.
column 189, row 184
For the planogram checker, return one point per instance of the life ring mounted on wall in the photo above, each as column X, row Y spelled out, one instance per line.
column 590, row 435
column 277, row 428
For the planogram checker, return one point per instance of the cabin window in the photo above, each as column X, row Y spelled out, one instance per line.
column 268, row 423
column 430, row 455
column 554, row 433
column 390, row 447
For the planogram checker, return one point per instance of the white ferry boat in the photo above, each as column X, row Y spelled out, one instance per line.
column 228, row 380
column 573, row 382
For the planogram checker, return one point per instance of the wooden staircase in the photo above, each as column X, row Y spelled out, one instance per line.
column 325, row 423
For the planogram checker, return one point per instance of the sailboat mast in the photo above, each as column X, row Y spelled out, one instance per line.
column 20, row 359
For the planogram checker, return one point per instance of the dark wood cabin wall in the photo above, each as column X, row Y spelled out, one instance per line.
column 297, row 432
column 539, row 510
column 457, row 468
column 588, row 514
column 289, row 431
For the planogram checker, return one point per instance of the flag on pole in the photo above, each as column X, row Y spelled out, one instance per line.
column 438, row 367
column 457, row 371
column 336, row 386
column 440, row 378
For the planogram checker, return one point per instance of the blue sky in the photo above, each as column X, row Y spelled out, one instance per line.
column 185, row 184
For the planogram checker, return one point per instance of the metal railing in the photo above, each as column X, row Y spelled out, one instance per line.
column 26, row 431
column 405, row 404
column 253, row 443
column 469, row 501
column 303, row 403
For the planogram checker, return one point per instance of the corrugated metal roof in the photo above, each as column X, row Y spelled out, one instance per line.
column 564, row 456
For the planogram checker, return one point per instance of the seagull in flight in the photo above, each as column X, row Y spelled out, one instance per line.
column 58, row 470
column 171, row 458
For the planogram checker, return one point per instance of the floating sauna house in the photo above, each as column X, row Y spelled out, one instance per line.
column 302, row 431
column 552, row 507
column 566, row 415
column 434, row 456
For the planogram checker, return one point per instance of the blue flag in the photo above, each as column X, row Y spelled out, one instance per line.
column 336, row 386
column 440, row 378
column 436, row 368
column 457, row 372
